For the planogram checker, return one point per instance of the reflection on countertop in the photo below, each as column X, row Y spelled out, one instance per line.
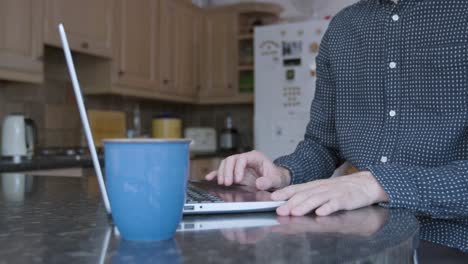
column 62, row 219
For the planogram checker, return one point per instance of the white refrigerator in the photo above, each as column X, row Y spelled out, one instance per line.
column 285, row 74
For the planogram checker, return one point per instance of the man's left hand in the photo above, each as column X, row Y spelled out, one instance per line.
column 328, row 196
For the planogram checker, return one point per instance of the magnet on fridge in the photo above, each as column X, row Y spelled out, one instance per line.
column 290, row 74
column 314, row 47
column 313, row 73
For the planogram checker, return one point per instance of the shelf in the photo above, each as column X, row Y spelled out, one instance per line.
column 245, row 36
column 245, row 67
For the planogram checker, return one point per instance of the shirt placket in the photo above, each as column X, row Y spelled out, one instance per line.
column 392, row 83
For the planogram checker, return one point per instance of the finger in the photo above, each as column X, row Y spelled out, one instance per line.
column 239, row 169
column 249, row 178
column 221, row 172
column 328, row 208
column 228, row 234
column 286, row 209
column 263, row 183
column 288, row 192
column 229, row 170
column 210, row 176
column 241, row 236
column 310, row 204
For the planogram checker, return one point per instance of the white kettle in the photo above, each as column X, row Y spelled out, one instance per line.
column 19, row 136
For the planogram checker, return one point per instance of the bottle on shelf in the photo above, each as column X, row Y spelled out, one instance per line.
column 228, row 139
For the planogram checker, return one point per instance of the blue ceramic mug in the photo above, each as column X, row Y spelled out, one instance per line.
column 146, row 181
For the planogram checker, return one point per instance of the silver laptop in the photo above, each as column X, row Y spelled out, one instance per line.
column 202, row 197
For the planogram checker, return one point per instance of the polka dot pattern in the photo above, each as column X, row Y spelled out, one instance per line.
column 392, row 98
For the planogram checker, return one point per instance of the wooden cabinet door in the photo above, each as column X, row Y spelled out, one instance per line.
column 166, row 40
column 199, row 168
column 219, row 55
column 185, row 50
column 88, row 24
column 135, row 55
column 21, row 46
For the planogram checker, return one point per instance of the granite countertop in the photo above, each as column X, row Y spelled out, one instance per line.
column 47, row 163
column 62, row 220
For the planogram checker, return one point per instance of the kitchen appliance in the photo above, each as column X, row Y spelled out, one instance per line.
column 285, row 75
column 107, row 124
column 167, row 126
column 203, row 139
column 19, row 136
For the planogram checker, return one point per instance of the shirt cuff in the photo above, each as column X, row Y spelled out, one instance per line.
column 397, row 183
column 293, row 169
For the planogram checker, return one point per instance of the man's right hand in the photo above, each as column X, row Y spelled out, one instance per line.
column 251, row 169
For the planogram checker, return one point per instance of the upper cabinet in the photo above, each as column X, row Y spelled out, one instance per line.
column 186, row 50
column 227, row 60
column 156, row 49
column 218, row 56
column 21, row 47
column 135, row 59
column 88, row 24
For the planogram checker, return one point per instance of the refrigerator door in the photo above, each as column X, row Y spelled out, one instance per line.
column 285, row 74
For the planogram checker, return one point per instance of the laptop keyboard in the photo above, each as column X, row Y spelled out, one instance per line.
column 198, row 195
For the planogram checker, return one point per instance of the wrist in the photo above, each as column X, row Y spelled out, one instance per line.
column 377, row 191
column 285, row 176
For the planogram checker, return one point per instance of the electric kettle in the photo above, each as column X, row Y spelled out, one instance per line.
column 19, row 136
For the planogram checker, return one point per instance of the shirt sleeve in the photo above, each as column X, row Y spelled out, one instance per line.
column 439, row 192
column 317, row 156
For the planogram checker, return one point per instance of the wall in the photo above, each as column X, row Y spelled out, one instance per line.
column 52, row 106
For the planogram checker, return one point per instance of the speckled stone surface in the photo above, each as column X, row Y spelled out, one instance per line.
column 60, row 162
column 46, row 163
column 62, row 220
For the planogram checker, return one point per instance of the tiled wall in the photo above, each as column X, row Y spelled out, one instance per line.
column 52, row 106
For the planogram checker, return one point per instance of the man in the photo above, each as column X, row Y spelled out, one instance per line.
column 392, row 99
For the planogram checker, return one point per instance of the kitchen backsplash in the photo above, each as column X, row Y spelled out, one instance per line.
column 52, row 106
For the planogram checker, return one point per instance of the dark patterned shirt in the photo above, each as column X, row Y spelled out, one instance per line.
column 392, row 98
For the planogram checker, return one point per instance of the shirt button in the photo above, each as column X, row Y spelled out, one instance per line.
column 384, row 159
column 396, row 17
column 392, row 65
column 392, row 113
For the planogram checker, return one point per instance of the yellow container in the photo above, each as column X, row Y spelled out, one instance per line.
column 167, row 127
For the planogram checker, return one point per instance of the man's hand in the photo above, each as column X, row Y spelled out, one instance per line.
column 328, row 196
column 251, row 169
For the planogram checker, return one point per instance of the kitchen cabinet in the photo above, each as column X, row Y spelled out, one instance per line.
column 21, row 47
column 134, row 65
column 218, row 55
column 168, row 20
column 186, row 45
column 88, row 24
column 227, row 54
column 201, row 167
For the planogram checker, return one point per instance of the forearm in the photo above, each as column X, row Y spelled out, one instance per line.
column 440, row 192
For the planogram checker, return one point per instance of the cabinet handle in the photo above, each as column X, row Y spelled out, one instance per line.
column 198, row 87
column 230, row 86
column 120, row 73
column 165, row 81
column 85, row 45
